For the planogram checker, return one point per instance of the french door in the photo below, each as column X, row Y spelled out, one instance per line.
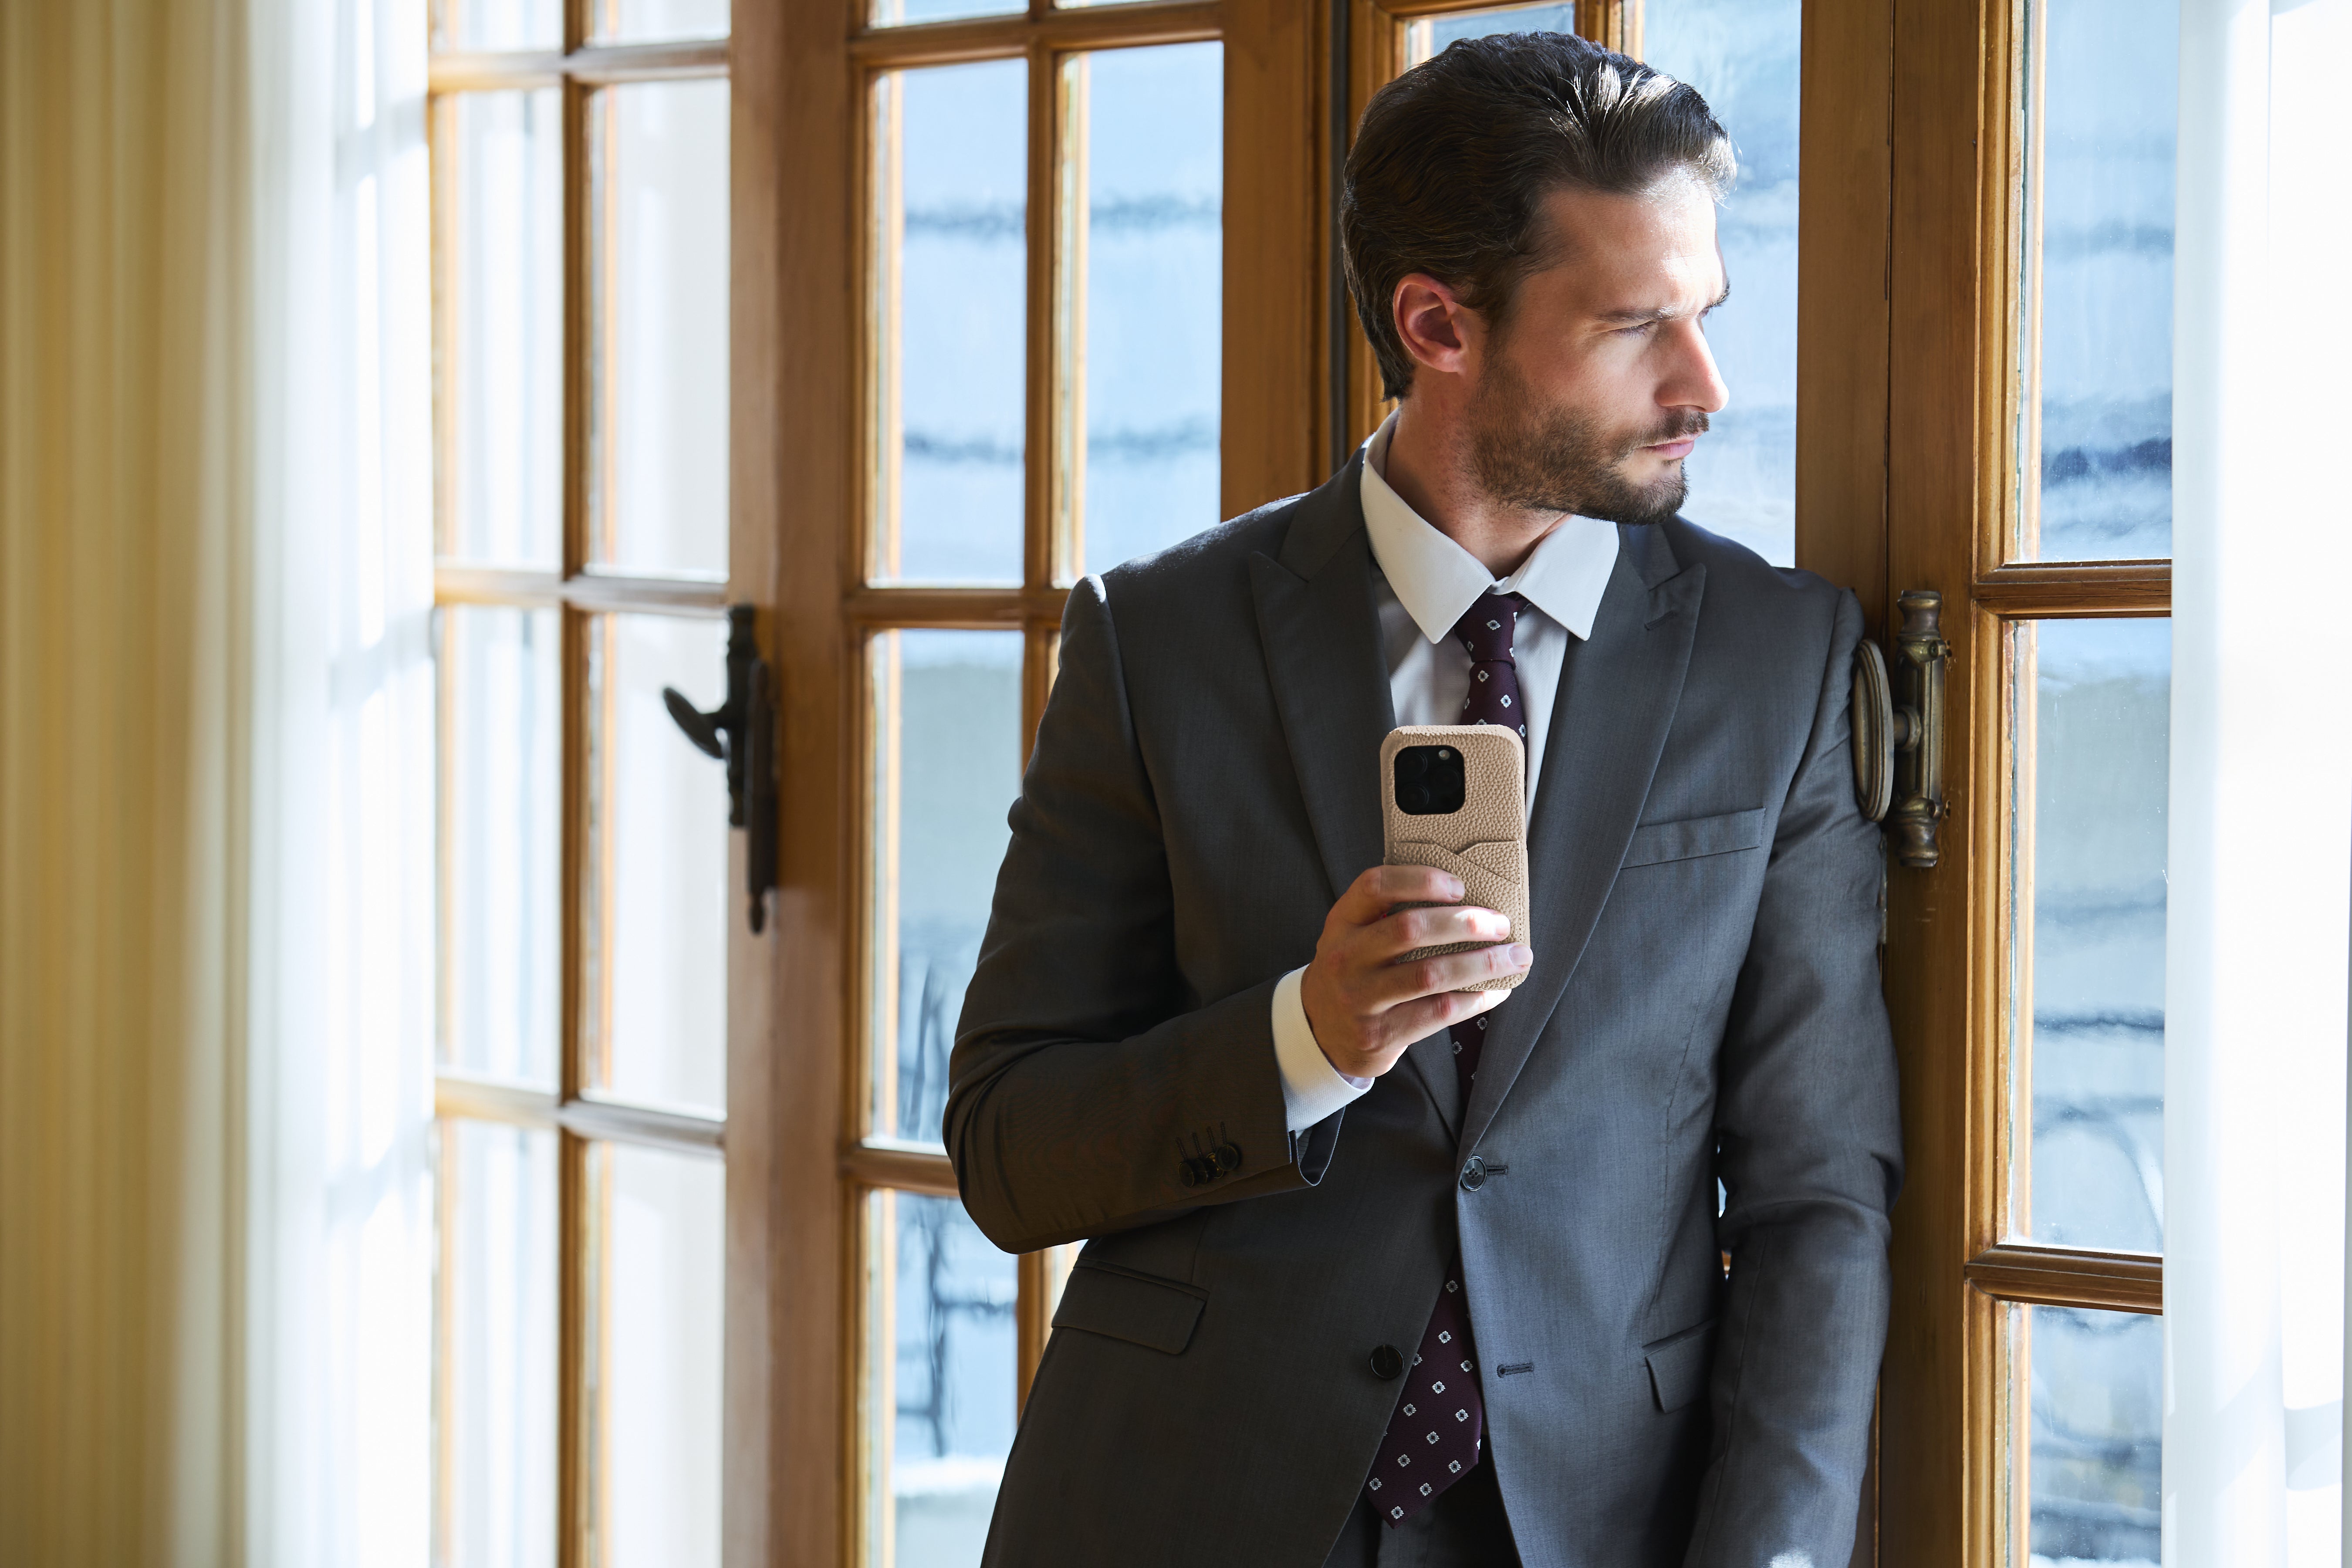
column 1005, row 294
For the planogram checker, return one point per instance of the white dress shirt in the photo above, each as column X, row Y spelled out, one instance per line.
column 1424, row 584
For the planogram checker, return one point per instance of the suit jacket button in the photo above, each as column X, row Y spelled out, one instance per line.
column 1229, row 1158
column 1473, row 1174
column 1190, row 1173
column 1387, row 1364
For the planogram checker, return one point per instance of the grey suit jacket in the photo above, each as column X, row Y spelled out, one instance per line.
column 1704, row 1006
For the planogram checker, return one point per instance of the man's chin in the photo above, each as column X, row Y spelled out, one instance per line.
column 1654, row 501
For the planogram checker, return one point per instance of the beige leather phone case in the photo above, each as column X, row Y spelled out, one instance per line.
column 1485, row 843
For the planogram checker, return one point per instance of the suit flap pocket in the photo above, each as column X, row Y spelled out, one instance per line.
column 1679, row 1365
column 1689, row 839
column 1158, row 1314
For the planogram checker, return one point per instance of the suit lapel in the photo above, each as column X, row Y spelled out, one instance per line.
column 1616, row 701
column 1322, row 641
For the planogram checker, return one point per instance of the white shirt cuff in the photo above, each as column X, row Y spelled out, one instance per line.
column 1312, row 1089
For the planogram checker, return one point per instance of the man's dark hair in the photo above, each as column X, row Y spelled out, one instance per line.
column 1453, row 158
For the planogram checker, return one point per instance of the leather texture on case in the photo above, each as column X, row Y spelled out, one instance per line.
column 1485, row 843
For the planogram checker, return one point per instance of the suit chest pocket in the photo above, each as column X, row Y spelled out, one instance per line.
column 1656, row 843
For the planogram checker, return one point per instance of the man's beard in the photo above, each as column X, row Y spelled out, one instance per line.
column 1559, row 460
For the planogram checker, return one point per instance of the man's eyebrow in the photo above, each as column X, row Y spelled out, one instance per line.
column 1630, row 317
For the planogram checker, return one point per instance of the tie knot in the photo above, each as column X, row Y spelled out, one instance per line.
column 1485, row 628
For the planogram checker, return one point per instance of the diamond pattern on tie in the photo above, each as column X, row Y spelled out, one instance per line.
column 1452, row 1434
column 1484, row 632
column 1427, row 1433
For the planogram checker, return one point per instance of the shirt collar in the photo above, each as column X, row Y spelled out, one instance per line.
column 1437, row 580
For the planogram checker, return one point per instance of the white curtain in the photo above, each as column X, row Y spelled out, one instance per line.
column 2260, row 836
column 339, row 1268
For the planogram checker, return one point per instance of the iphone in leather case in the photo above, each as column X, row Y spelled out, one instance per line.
column 1453, row 796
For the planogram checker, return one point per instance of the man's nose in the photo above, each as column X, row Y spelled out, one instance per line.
column 1692, row 379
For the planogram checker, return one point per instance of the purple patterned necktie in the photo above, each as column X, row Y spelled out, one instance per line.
column 1437, row 1434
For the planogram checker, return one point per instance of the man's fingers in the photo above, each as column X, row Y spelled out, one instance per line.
column 1415, row 1020
column 1393, row 984
column 1384, row 888
column 1436, row 926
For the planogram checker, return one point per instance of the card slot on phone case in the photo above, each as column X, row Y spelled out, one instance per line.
column 1493, row 875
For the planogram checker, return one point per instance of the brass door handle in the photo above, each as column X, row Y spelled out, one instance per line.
column 1898, row 729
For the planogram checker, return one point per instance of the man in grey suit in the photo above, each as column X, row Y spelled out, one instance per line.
column 1379, row 1269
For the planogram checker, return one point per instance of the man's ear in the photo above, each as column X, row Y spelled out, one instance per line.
column 1434, row 326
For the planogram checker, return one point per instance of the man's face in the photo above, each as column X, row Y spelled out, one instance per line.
column 1598, row 381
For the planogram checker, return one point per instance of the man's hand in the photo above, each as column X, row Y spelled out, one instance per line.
column 1364, row 1007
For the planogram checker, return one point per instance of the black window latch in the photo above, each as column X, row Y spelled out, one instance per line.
column 741, row 732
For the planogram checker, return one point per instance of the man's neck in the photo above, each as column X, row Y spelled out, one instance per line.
column 1429, row 467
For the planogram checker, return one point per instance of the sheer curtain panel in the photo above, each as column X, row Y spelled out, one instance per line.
column 216, row 783
column 339, row 1305
column 2260, row 834
column 125, row 529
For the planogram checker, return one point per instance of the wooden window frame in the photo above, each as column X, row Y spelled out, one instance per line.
column 583, row 1116
column 1956, row 1488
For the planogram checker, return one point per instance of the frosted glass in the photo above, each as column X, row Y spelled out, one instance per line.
column 894, row 13
column 502, row 303
column 661, row 193
column 499, row 24
column 2108, row 117
column 654, row 21
column 951, row 173
column 947, row 730
column 952, row 1343
column 497, row 1332
column 2096, row 1437
column 1152, row 127
column 501, row 937
column 662, row 1280
column 2093, row 697
column 659, row 890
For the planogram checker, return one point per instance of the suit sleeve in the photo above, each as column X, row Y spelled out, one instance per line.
column 1809, row 1155
column 1089, row 1091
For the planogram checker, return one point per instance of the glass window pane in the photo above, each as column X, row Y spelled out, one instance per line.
column 1429, row 37
column 659, row 170
column 498, row 24
column 497, row 1406
column 655, row 1339
column 2097, row 1437
column 2094, row 701
column 893, row 13
column 951, row 280
column 947, row 764
column 652, row 21
column 940, row 1366
column 502, row 312
column 2108, row 74
column 1143, row 342
column 501, row 941
column 656, row 885
column 1743, row 56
